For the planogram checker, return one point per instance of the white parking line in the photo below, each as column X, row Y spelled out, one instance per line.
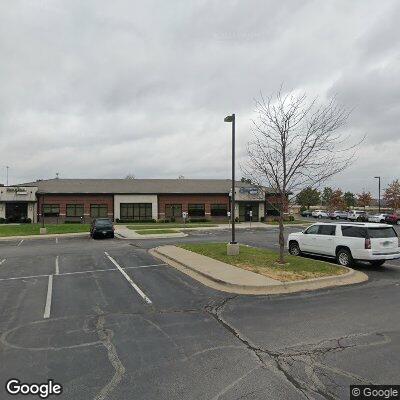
column 2, row 261
column 19, row 244
column 57, row 266
column 90, row 271
column 47, row 308
column 126, row 276
column 391, row 265
column 56, row 240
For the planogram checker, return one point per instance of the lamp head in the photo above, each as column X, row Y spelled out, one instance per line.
column 229, row 118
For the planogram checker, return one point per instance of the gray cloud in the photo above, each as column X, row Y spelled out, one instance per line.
column 101, row 89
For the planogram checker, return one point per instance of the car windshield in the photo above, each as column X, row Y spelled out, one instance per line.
column 103, row 223
column 378, row 233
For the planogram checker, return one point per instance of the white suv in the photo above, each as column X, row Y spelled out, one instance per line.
column 346, row 242
column 319, row 214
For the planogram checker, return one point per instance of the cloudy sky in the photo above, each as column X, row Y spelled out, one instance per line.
column 105, row 88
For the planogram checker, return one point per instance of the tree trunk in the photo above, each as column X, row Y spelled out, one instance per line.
column 281, row 236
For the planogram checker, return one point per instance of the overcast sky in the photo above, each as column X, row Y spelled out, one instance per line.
column 105, row 88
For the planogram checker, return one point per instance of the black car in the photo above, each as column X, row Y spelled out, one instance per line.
column 306, row 213
column 102, row 227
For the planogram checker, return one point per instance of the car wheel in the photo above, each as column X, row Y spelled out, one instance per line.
column 398, row 222
column 294, row 249
column 377, row 263
column 319, row 216
column 337, row 217
column 344, row 258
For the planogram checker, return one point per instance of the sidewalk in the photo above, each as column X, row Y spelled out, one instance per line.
column 123, row 232
column 46, row 236
column 228, row 278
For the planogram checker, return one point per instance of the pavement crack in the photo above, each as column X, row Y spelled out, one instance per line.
column 105, row 336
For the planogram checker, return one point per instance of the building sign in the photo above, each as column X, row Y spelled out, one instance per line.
column 17, row 190
column 247, row 190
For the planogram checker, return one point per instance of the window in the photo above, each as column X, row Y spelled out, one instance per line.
column 173, row 210
column 380, row 233
column 327, row 230
column 136, row 211
column 196, row 210
column 312, row 230
column 51, row 210
column 74, row 210
column 354, row 231
column 219, row 210
column 98, row 210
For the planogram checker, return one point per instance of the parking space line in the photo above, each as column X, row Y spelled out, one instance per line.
column 89, row 271
column 2, row 261
column 56, row 240
column 57, row 266
column 126, row 276
column 47, row 307
column 391, row 265
column 19, row 244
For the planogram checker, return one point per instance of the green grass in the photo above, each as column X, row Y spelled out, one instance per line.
column 155, row 231
column 33, row 229
column 137, row 227
column 264, row 262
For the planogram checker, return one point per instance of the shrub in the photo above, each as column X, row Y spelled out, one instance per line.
column 136, row 221
column 196, row 220
column 72, row 222
column 2, row 220
column 262, row 219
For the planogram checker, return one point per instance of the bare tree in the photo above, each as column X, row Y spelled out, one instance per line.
column 296, row 143
column 130, row 176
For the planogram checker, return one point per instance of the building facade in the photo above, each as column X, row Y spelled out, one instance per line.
column 82, row 200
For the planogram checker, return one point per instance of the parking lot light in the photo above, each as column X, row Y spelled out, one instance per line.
column 379, row 192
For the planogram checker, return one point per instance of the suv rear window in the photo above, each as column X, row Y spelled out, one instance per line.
column 103, row 223
column 354, row 231
column 377, row 233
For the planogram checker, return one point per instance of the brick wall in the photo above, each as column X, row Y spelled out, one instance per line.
column 63, row 200
column 184, row 200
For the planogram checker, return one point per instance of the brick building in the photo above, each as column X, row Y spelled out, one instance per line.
column 70, row 200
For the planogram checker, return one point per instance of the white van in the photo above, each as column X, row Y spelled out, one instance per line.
column 346, row 242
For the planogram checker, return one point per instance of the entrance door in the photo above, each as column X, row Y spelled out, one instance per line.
column 16, row 212
column 244, row 211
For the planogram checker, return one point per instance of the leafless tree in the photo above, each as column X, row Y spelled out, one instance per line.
column 296, row 143
column 130, row 176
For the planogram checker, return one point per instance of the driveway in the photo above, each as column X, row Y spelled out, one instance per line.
column 116, row 323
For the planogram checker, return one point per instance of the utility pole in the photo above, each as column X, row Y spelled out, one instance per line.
column 233, row 247
column 7, row 167
column 379, row 192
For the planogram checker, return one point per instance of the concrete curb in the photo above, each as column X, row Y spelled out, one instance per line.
column 47, row 236
column 349, row 278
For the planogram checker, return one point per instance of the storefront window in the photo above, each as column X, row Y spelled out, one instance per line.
column 51, row 210
column 219, row 210
column 98, row 210
column 74, row 210
column 196, row 210
column 136, row 211
column 173, row 210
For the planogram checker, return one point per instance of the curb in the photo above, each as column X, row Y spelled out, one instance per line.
column 349, row 278
column 47, row 236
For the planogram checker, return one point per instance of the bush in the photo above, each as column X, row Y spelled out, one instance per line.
column 136, row 221
column 2, row 220
column 72, row 222
column 291, row 218
column 262, row 219
column 196, row 220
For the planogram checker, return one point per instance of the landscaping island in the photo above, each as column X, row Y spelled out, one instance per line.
column 34, row 229
column 264, row 262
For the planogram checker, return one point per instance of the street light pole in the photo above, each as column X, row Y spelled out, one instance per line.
column 233, row 248
column 7, row 175
column 379, row 192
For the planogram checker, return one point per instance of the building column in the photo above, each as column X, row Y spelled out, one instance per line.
column 3, row 210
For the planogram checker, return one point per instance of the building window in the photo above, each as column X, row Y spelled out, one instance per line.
column 136, row 211
column 196, row 210
column 173, row 210
column 74, row 210
column 219, row 210
column 98, row 210
column 51, row 210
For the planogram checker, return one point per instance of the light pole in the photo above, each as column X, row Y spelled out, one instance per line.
column 7, row 167
column 379, row 192
column 233, row 247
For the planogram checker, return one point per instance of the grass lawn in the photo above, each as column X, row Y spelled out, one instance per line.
column 137, row 227
column 155, row 231
column 33, row 229
column 263, row 261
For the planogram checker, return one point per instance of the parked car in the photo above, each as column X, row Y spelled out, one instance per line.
column 338, row 215
column 347, row 242
column 306, row 213
column 319, row 214
column 377, row 218
column 355, row 215
column 393, row 219
column 102, row 227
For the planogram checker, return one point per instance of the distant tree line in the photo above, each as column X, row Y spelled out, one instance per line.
column 335, row 199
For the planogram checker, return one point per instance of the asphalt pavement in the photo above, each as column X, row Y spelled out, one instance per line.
column 108, row 321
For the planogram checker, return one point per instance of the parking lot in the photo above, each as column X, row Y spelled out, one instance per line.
column 106, row 320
